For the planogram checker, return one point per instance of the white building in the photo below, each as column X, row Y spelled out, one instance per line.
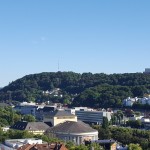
column 5, row 129
column 145, row 119
column 77, row 132
column 83, row 109
column 26, row 103
column 129, row 101
column 74, row 109
column 95, row 117
column 89, row 115
column 145, row 100
column 13, row 144
column 136, row 118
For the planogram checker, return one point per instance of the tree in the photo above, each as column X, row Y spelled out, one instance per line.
column 29, row 118
column 95, row 146
column 134, row 147
column 87, row 89
column 70, row 145
column 17, row 117
column 134, row 123
column 81, row 147
column 104, row 133
column 17, row 134
column 105, row 123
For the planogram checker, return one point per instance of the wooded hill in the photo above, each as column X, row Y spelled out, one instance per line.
column 87, row 89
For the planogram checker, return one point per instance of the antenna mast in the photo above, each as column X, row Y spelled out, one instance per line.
column 58, row 65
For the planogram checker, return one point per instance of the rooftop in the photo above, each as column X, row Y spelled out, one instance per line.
column 34, row 126
column 72, row 127
column 51, row 146
column 59, row 113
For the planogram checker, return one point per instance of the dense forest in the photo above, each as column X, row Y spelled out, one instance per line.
column 126, row 136
column 87, row 89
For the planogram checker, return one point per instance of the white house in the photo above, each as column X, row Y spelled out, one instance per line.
column 143, row 119
column 14, row 144
column 129, row 101
column 145, row 100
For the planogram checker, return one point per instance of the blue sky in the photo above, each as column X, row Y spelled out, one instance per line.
column 109, row 36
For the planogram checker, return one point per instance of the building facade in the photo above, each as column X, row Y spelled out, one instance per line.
column 95, row 117
column 77, row 132
column 33, row 127
column 58, row 116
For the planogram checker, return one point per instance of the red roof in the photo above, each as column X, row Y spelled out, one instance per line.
column 51, row 146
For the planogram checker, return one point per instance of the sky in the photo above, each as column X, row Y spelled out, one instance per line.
column 99, row 36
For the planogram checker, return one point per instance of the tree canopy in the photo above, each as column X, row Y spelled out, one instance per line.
column 87, row 89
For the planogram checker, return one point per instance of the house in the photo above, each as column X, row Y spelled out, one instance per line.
column 30, row 144
column 13, row 144
column 51, row 146
column 129, row 101
column 133, row 117
column 5, row 129
column 145, row 100
column 58, row 116
column 33, row 127
column 77, row 132
column 144, row 119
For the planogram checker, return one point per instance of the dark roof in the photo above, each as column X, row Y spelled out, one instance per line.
column 71, row 127
column 49, row 123
column 48, row 109
column 60, row 113
column 34, row 126
column 104, row 141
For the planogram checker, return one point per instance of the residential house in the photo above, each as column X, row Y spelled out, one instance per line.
column 46, row 146
column 30, row 144
column 33, row 127
column 129, row 101
column 14, row 144
column 133, row 118
column 145, row 100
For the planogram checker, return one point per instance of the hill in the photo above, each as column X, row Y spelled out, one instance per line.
column 87, row 89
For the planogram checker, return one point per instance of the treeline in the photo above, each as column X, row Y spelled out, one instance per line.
column 9, row 117
column 87, row 89
column 126, row 136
